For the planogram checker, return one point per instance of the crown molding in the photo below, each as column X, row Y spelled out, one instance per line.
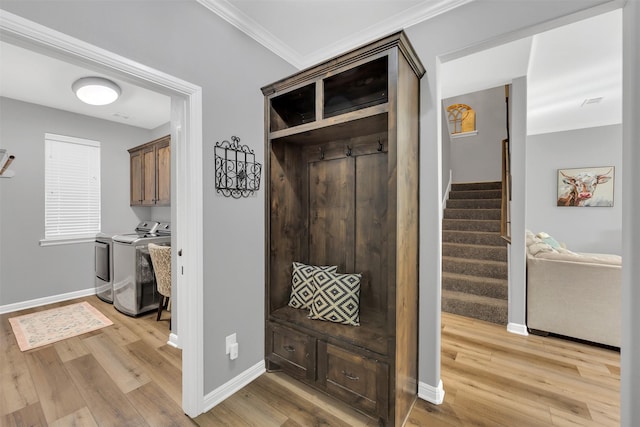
column 411, row 16
column 253, row 29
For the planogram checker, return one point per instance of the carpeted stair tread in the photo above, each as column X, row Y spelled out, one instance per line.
column 492, row 185
column 471, row 224
column 474, row 203
column 482, row 268
column 479, row 307
column 483, row 252
column 474, row 256
column 475, row 194
column 483, row 286
column 488, row 214
column 473, row 237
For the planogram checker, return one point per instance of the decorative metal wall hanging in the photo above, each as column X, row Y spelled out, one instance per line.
column 237, row 172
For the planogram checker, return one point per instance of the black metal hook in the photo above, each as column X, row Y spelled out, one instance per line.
column 380, row 145
column 321, row 153
column 348, row 151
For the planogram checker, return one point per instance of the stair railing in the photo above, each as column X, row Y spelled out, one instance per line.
column 505, row 216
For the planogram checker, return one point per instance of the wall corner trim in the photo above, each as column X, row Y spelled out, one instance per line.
column 516, row 328
column 430, row 393
column 233, row 385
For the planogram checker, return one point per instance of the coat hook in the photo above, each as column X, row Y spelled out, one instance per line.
column 348, row 151
column 321, row 153
column 380, row 146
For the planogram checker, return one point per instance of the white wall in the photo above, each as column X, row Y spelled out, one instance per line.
column 28, row 271
column 583, row 229
column 478, row 158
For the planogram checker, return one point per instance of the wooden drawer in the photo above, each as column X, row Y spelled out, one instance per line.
column 355, row 379
column 293, row 351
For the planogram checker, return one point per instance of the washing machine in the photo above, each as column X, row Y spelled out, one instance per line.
column 134, row 283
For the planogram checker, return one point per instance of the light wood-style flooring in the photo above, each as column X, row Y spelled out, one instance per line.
column 126, row 375
column 121, row 375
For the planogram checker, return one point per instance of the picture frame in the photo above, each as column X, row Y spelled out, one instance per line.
column 586, row 187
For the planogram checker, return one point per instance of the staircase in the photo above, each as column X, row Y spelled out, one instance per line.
column 474, row 256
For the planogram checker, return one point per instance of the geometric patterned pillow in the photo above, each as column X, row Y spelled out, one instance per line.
column 337, row 298
column 302, row 286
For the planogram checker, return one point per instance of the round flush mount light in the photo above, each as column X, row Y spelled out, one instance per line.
column 96, row 90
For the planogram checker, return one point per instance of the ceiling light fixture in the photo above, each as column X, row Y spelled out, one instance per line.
column 96, row 90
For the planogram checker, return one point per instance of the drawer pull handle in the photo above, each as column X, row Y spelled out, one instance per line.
column 350, row 376
column 289, row 348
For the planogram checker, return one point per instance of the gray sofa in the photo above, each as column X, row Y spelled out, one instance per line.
column 573, row 294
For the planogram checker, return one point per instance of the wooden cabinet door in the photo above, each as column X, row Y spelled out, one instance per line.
column 293, row 351
column 163, row 174
column 135, row 191
column 148, row 177
column 355, row 379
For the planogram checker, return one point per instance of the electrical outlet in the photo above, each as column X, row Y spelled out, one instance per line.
column 230, row 340
column 233, row 355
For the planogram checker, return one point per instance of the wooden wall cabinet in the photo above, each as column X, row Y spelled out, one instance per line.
column 150, row 167
column 342, row 172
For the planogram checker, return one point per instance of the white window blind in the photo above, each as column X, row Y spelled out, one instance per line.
column 72, row 187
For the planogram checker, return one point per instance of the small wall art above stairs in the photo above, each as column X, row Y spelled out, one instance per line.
column 474, row 256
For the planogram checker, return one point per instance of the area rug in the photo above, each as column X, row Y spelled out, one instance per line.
column 49, row 326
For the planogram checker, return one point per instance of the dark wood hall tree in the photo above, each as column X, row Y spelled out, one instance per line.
column 342, row 171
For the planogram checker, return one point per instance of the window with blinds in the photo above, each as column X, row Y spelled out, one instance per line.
column 72, row 187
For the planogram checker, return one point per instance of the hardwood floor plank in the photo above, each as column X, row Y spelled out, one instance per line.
column 326, row 403
column 57, row 393
column 80, row 418
column 479, row 410
column 254, row 410
column 30, row 415
column 296, row 407
column 107, row 403
column 474, row 376
column 71, row 348
column 121, row 367
column 16, row 387
column 161, row 370
column 500, row 401
column 221, row 415
column 152, row 403
column 172, row 354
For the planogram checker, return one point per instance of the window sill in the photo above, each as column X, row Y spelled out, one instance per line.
column 66, row 241
column 463, row 134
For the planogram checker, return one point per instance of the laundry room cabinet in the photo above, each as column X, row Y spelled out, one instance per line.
column 150, row 168
column 342, row 171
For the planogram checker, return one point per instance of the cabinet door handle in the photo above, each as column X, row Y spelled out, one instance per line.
column 289, row 348
column 350, row 376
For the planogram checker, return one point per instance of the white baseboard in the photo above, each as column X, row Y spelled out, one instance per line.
column 430, row 393
column 516, row 328
column 174, row 341
column 232, row 386
column 9, row 308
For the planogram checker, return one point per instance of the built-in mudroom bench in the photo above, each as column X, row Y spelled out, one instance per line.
column 342, row 172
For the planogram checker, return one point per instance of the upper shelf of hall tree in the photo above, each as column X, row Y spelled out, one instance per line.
column 342, row 89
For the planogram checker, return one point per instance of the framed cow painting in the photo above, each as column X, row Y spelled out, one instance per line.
column 585, row 187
